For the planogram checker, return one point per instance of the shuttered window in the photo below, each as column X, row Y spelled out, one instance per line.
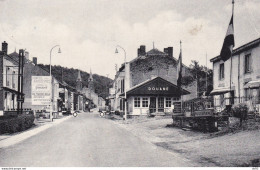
column 248, row 63
column 221, row 71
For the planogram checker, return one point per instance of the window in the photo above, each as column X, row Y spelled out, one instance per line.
column 248, row 63
column 145, row 102
column 168, row 102
column 137, row 101
column 248, row 94
column 221, row 71
column 122, row 86
column 221, row 100
column 118, row 86
column 13, row 79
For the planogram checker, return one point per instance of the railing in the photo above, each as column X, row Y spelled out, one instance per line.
column 197, row 104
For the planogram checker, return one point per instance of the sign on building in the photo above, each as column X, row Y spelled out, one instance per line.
column 177, row 107
column 41, row 90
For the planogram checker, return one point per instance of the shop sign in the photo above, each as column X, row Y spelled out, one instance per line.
column 158, row 88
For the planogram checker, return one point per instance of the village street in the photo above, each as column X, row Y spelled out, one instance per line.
column 88, row 140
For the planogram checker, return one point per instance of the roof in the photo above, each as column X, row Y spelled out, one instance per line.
column 252, row 84
column 221, row 91
column 239, row 49
column 79, row 76
column 14, row 55
column 8, row 57
column 156, row 52
column 90, row 76
column 156, row 86
column 12, row 90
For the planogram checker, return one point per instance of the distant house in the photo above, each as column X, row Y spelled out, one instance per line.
column 245, row 77
column 150, row 83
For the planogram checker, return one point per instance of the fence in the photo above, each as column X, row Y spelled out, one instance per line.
column 226, row 103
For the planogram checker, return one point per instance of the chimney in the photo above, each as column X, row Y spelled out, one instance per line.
column 138, row 52
column 26, row 54
column 142, row 50
column 35, row 60
column 4, row 47
column 168, row 51
column 165, row 50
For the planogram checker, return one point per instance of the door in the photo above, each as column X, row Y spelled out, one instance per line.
column 161, row 104
column 152, row 106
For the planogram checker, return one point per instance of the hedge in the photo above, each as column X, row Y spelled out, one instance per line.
column 16, row 124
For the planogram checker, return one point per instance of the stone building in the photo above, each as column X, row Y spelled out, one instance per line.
column 244, row 75
column 91, row 90
column 150, row 83
column 79, row 95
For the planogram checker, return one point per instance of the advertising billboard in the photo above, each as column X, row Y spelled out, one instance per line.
column 41, row 90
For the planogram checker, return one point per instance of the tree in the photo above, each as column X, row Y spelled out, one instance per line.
column 240, row 111
column 204, row 77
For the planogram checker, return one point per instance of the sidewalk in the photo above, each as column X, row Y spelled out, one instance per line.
column 41, row 125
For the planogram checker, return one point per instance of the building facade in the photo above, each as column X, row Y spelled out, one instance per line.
column 150, row 83
column 8, row 82
column 241, row 82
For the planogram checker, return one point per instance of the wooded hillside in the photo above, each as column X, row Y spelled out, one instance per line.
column 101, row 83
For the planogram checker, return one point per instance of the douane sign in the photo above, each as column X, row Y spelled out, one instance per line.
column 158, row 88
column 41, row 90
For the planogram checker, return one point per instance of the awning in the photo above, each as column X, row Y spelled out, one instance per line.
column 220, row 91
column 252, row 84
column 11, row 90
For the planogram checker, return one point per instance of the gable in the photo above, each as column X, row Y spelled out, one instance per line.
column 157, row 86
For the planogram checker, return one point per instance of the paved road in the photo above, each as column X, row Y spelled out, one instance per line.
column 87, row 140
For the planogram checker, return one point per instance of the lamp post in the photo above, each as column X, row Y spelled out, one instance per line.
column 51, row 81
column 125, row 76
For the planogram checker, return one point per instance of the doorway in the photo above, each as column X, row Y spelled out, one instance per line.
column 152, row 106
column 160, row 104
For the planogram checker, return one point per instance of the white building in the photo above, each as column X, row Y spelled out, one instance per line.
column 245, row 77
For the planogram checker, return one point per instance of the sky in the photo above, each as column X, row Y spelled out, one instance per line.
column 89, row 30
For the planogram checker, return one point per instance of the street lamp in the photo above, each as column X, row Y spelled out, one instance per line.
column 51, row 80
column 125, row 76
